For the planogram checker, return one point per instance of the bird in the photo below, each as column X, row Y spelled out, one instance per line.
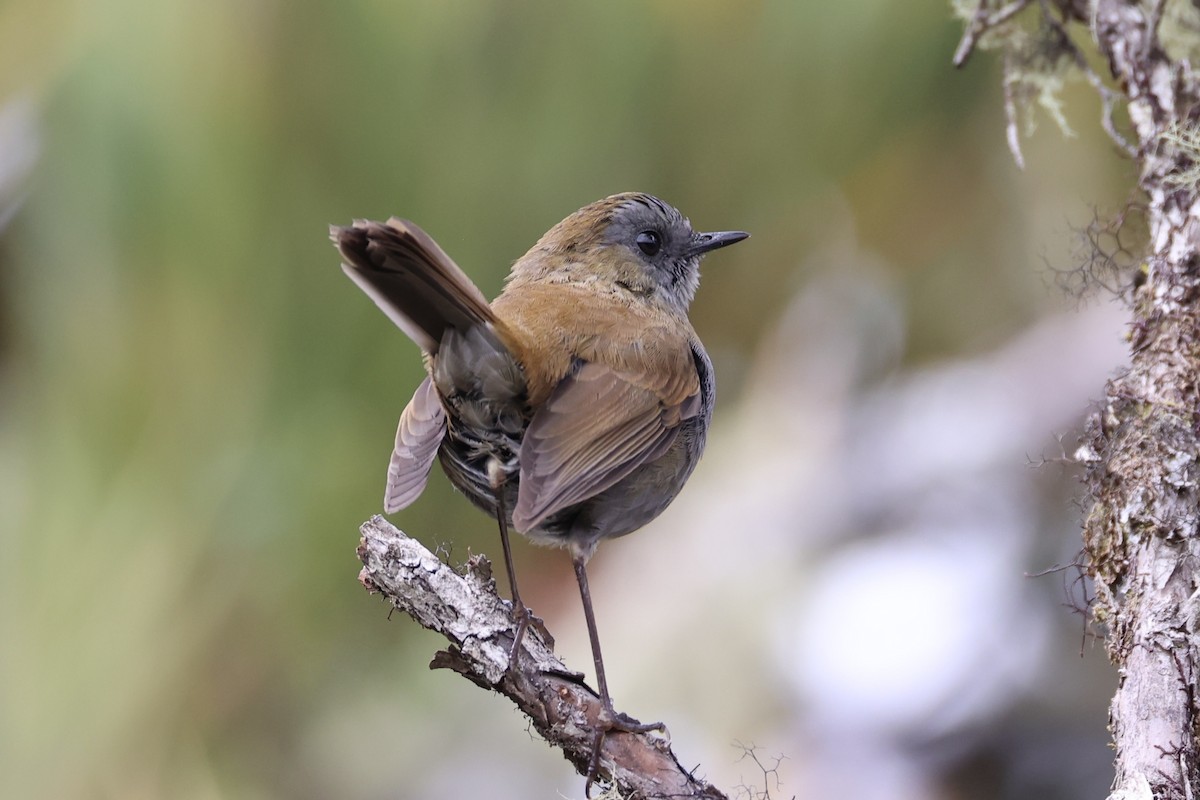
column 575, row 405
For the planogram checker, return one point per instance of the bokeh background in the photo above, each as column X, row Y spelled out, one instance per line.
column 196, row 406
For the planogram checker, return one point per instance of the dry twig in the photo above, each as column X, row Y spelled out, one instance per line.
column 466, row 609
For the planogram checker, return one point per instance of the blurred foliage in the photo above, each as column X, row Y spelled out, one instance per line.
column 197, row 406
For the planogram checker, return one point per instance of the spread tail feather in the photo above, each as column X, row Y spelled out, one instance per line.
column 418, row 436
column 410, row 278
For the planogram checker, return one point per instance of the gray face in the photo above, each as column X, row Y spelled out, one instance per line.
column 663, row 242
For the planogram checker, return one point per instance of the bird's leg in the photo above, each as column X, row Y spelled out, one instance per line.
column 610, row 719
column 520, row 611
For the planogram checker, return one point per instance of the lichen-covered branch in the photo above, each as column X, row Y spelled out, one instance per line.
column 1142, row 447
column 1141, row 536
column 465, row 608
column 1038, row 55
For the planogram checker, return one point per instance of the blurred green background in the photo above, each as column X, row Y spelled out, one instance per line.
column 196, row 406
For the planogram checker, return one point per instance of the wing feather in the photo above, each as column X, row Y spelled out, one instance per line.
column 597, row 427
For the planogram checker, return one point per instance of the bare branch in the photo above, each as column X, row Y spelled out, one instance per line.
column 466, row 609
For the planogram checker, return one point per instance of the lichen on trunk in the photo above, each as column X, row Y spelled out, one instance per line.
column 1141, row 447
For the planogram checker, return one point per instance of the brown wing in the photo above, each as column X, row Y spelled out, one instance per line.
column 422, row 426
column 410, row 278
column 597, row 427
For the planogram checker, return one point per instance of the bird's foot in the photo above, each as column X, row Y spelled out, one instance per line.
column 613, row 720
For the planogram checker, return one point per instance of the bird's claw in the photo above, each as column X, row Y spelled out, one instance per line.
column 612, row 720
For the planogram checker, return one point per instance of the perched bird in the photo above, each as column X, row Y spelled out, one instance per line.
column 573, row 407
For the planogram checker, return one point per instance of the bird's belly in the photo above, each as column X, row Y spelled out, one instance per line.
column 641, row 496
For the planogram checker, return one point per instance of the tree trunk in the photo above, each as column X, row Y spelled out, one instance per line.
column 1141, row 544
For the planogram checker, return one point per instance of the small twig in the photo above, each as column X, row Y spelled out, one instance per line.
column 980, row 24
column 466, row 609
column 769, row 774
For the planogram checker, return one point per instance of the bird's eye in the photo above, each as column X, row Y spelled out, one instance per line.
column 649, row 242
